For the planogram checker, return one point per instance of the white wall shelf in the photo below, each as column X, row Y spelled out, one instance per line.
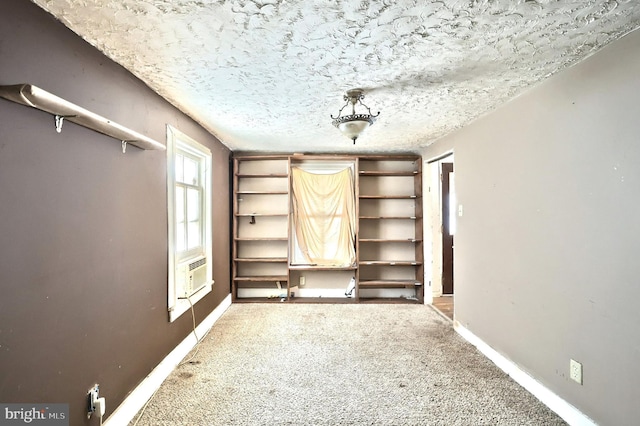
column 63, row 110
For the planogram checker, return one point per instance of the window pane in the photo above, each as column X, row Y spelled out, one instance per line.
column 181, row 243
column 180, row 237
column 194, row 235
column 179, row 204
column 193, row 204
column 179, row 168
column 190, row 171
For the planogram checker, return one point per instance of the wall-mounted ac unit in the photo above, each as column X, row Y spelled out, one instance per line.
column 191, row 276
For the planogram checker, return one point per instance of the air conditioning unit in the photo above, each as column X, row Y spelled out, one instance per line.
column 191, row 276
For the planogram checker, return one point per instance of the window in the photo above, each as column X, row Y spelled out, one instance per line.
column 189, row 213
column 323, row 214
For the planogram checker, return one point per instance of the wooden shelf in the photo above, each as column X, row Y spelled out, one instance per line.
column 322, row 268
column 261, row 239
column 389, row 217
column 261, row 259
column 262, row 192
column 332, row 300
column 389, row 300
column 258, row 300
column 266, row 175
column 261, row 214
column 388, row 283
column 389, row 263
column 262, row 278
column 388, row 197
column 385, row 173
column 388, row 240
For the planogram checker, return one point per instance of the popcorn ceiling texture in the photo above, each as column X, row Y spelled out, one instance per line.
column 265, row 75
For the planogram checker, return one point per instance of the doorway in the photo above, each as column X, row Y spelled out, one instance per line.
column 441, row 206
column 448, row 227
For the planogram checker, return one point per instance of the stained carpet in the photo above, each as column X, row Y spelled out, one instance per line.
column 299, row 364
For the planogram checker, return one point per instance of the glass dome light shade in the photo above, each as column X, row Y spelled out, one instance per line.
column 353, row 125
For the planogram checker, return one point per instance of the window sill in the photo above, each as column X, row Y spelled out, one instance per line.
column 182, row 304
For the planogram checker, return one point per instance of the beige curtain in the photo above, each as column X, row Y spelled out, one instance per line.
column 324, row 219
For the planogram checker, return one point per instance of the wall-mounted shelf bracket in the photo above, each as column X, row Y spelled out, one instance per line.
column 30, row 95
column 59, row 120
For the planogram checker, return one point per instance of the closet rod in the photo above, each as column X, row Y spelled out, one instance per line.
column 63, row 110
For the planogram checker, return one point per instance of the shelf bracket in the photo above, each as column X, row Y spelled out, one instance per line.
column 59, row 120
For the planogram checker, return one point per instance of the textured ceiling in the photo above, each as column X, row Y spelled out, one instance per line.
column 265, row 75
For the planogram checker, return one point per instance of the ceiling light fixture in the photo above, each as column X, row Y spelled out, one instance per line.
column 352, row 125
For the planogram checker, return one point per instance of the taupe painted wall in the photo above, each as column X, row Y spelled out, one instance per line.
column 83, row 229
column 546, row 253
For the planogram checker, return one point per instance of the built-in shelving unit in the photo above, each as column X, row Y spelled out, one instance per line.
column 260, row 228
column 389, row 248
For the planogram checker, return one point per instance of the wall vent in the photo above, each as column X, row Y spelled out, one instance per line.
column 197, row 263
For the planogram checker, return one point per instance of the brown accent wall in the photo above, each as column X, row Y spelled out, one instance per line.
column 83, row 227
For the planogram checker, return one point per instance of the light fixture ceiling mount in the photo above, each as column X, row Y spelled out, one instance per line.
column 354, row 124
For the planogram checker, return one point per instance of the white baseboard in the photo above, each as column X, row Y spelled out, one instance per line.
column 141, row 394
column 568, row 412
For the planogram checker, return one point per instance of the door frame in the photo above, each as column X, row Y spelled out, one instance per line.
column 447, row 188
column 433, row 207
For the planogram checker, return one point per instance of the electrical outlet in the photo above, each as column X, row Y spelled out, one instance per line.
column 302, row 280
column 92, row 397
column 575, row 371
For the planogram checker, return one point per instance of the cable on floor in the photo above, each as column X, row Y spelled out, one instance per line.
column 196, row 346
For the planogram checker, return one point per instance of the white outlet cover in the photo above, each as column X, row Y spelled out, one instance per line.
column 575, row 371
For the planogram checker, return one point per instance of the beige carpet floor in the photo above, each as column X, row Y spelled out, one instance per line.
column 299, row 364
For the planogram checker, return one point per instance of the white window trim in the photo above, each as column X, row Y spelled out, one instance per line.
column 176, row 139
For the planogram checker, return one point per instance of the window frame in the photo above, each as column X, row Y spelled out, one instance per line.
column 316, row 166
column 199, row 250
column 178, row 142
